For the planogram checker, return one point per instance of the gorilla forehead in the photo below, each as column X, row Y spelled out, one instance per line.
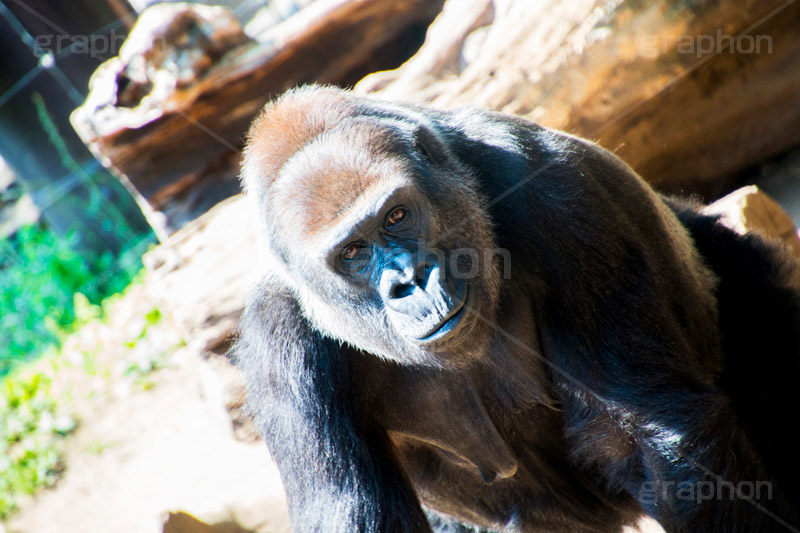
column 342, row 172
column 288, row 124
column 285, row 126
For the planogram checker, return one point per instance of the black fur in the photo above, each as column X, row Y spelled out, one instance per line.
column 624, row 360
column 760, row 325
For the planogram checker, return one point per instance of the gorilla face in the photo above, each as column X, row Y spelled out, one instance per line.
column 375, row 225
column 424, row 301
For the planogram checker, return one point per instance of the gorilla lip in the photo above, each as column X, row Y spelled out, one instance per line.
column 450, row 321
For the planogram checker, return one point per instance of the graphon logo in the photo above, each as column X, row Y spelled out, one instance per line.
column 651, row 492
column 101, row 46
column 652, row 46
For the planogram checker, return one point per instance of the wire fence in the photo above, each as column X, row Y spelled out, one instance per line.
column 64, row 186
column 81, row 181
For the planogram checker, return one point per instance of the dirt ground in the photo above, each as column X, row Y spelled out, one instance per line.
column 151, row 442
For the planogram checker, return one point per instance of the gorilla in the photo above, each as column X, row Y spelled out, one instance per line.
column 469, row 322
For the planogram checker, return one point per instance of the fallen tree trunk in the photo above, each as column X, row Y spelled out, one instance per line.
column 689, row 94
column 171, row 111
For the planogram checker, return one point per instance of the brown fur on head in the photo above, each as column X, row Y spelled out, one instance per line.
column 284, row 126
column 321, row 164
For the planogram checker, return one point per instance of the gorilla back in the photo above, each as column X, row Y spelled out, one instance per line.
column 505, row 324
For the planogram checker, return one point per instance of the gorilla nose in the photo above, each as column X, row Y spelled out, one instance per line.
column 406, row 274
column 401, row 290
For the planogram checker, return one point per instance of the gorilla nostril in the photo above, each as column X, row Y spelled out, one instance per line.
column 401, row 290
column 422, row 273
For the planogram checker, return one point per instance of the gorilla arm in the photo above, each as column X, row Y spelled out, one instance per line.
column 441, row 408
column 337, row 467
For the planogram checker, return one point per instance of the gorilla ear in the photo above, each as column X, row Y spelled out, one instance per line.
column 420, row 147
column 427, row 145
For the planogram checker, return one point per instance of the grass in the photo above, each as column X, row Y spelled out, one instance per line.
column 47, row 288
column 47, row 291
column 31, row 433
column 36, row 411
column 51, row 286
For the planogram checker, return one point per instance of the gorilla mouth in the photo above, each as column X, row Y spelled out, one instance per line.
column 450, row 321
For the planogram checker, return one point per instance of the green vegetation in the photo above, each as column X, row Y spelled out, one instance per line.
column 35, row 410
column 39, row 278
column 47, row 291
column 41, row 270
column 141, row 367
column 50, row 286
column 31, row 430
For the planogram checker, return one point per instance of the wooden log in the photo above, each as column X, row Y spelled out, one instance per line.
column 750, row 210
column 688, row 93
column 171, row 111
column 203, row 271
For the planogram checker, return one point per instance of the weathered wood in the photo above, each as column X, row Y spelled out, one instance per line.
column 442, row 54
column 750, row 210
column 203, row 271
column 671, row 86
column 175, row 126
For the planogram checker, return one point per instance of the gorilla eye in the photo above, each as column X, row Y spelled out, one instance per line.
column 397, row 215
column 351, row 252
